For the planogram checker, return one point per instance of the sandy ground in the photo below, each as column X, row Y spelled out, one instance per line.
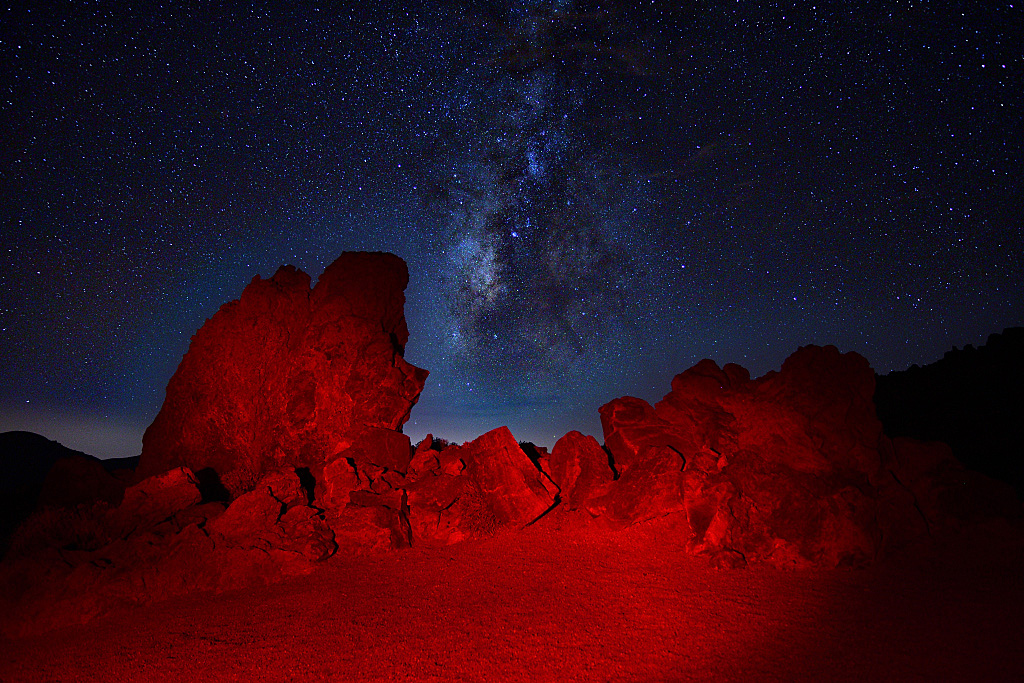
column 548, row 604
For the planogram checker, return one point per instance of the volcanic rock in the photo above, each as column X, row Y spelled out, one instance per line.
column 777, row 469
column 274, row 518
column 152, row 501
column 790, row 469
column 580, row 469
column 291, row 377
column 474, row 490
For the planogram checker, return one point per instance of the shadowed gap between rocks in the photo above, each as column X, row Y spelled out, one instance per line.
column 210, row 486
column 611, row 462
column 308, row 483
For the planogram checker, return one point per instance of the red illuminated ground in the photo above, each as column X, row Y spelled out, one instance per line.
column 548, row 604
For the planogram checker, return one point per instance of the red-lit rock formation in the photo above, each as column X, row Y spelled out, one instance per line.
column 580, row 468
column 292, row 377
column 67, row 565
column 777, row 469
column 789, row 469
column 469, row 491
column 279, row 446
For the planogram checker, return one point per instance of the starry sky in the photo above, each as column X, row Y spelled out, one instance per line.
column 591, row 197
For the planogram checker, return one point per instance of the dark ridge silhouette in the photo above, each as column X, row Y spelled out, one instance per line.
column 25, row 460
column 971, row 399
column 116, row 465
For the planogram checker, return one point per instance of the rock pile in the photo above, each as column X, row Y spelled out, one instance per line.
column 279, row 445
column 790, row 469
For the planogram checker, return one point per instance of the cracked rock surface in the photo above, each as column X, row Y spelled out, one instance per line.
column 279, row 446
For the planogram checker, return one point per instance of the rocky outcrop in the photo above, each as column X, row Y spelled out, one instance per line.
column 68, row 564
column 289, row 376
column 278, row 442
column 790, row 469
column 279, row 446
column 469, row 491
column 163, row 539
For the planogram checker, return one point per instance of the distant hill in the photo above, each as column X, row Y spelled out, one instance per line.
column 25, row 460
column 972, row 399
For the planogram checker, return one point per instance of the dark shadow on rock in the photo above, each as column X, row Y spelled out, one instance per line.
column 611, row 462
column 532, row 452
column 308, row 483
column 210, row 486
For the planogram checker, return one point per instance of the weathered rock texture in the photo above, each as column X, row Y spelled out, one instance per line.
column 789, row 469
column 469, row 491
column 279, row 445
column 292, row 377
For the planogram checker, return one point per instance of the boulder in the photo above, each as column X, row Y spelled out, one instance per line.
column 650, row 487
column 370, row 529
column 424, row 459
column 153, row 501
column 631, row 427
column 274, row 517
column 289, row 376
column 475, row 490
column 579, row 467
column 779, row 469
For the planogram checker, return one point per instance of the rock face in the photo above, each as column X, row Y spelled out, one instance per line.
column 469, row 491
column 580, row 467
column 791, row 469
column 289, row 376
column 279, row 445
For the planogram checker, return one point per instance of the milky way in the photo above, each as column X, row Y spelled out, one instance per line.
column 541, row 220
column 591, row 196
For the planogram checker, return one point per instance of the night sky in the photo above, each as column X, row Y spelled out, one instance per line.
column 591, row 197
